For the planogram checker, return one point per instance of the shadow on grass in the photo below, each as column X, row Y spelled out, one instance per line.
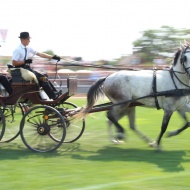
column 14, row 151
column 170, row 161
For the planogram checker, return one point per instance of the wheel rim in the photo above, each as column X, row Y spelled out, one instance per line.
column 12, row 118
column 2, row 124
column 75, row 128
column 43, row 129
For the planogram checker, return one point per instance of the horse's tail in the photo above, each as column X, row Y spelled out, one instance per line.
column 92, row 96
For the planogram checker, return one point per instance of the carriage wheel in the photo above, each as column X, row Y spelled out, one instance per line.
column 2, row 124
column 42, row 129
column 75, row 127
column 12, row 116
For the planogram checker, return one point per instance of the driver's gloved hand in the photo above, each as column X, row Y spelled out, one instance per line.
column 28, row 61
column 56, row 57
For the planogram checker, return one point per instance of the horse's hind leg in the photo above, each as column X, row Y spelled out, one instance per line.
column 131, row 116
column 176, row 132
column 110, row 130
column 114, row 115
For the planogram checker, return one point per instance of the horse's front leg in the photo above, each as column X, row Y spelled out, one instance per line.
column 165, row 121
column 187, row 124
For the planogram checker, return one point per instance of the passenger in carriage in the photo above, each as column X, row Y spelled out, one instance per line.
column 6, row 84
column 20, row 59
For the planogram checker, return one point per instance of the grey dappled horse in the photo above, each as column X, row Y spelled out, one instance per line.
column 124, row 86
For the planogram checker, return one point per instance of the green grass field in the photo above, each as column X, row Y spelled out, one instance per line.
column 93, row 162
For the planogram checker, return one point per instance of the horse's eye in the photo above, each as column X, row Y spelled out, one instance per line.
column 183, row 58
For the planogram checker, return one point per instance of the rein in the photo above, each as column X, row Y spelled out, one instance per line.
column 170, row 93
column 71, row 63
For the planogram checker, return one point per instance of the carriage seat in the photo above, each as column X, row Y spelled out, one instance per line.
column 21, row 75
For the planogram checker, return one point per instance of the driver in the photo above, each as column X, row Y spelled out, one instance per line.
column 20, row 59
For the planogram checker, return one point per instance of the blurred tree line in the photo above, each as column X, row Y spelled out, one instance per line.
column 161, row 42
column 154, row 43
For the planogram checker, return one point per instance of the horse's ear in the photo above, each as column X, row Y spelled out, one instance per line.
column 182, row 46
column 186, row 43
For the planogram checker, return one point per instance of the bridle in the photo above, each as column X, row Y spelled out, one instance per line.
column 183, row 60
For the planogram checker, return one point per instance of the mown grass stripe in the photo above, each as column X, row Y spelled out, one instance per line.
column 101, row 186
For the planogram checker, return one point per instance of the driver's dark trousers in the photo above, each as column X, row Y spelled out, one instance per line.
column 44, row 83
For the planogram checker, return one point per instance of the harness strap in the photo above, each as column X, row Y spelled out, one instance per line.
column 172, row 76
column 154, row 90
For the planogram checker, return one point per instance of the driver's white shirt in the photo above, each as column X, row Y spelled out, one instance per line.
column 19, row 53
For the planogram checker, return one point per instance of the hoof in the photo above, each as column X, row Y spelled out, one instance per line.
column 171, row 134
column 155, row 145
column 117, row 141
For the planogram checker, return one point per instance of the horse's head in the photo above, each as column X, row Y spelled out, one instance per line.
column 182, row 60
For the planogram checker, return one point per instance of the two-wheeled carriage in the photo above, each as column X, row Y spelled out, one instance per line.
column 42, row 124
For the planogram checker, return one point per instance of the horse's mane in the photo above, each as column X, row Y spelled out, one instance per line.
column 177, row 54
